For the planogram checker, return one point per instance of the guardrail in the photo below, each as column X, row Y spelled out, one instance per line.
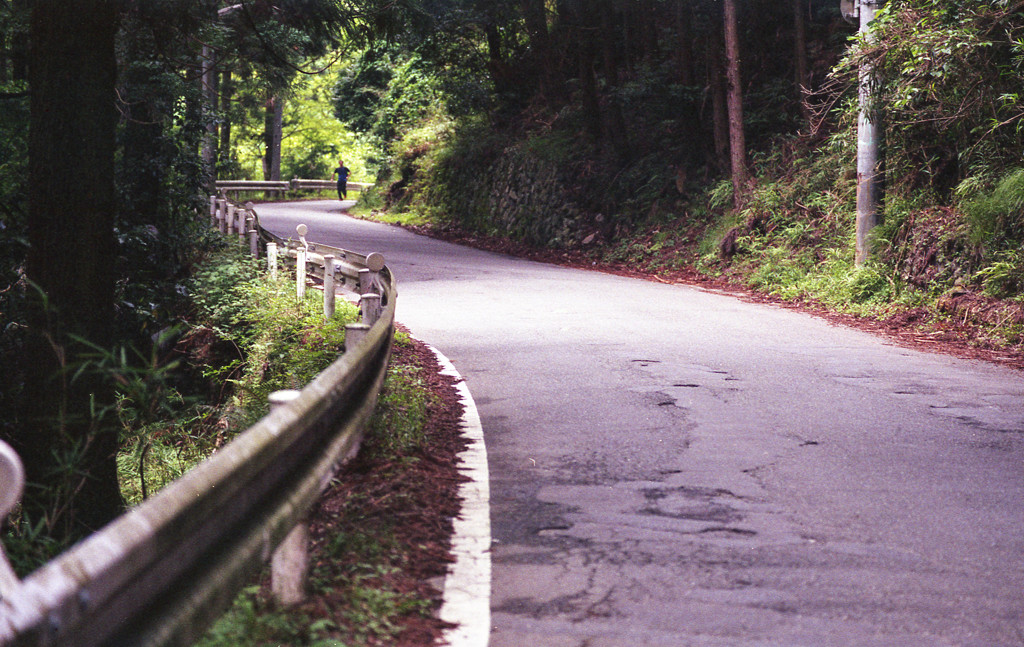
column 166, row 569
column 236, row 187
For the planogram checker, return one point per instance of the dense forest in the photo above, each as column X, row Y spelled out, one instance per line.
column 716, row 136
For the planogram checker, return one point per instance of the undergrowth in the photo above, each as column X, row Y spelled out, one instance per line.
column 275, row 341
column 354, row 561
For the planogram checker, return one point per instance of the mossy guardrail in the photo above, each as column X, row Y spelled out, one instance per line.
column 166, row 569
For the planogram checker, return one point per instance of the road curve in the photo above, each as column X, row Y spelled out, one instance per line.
column 670, row 466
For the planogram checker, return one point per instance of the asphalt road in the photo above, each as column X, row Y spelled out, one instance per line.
column 671, row 466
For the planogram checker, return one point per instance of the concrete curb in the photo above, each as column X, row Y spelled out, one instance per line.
column 467, row 587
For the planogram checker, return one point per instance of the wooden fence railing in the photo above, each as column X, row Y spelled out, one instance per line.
column 166, row 569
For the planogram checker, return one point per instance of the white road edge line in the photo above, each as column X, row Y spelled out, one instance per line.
column 467, row 587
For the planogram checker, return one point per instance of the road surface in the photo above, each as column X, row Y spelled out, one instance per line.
column 671, row 466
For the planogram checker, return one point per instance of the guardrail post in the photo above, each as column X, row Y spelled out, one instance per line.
column 300, row 261
column 365, row 281
column 329, row 286
column 12, row 482
column 243, row 228
column 272, row 260
column 300, row 273
column 368, row 281
column 289, row 565
column 354, row 334
column 254, row 236
column 221, row 214
column 370, row 306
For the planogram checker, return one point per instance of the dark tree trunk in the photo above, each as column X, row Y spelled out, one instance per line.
column 142, row 165
column 495, row 61
column 19, row 44
column 737, row 143
column 610, row 53
column 227, row 90
column 536, row 20
column 272, row 139
column 719, row 111
column 536, row 27
column 684, row 46
column 71, row 235
column 800, row 54
column 208, row 82
column 588, row 85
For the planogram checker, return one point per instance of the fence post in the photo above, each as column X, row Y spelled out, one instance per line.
column 213, row 210
column 329, row 286
column 289, row 564
column 229, row 219
column 370, row 305
column 272, row 260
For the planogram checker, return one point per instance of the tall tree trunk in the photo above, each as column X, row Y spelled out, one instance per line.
column 737, row 143
column 272, row 138
column 209, row 94
column 71, row 235
column 535, row 17
column 588, row 85
column 227, row 90
column 610, row 52
column 536, row 27
column 800, row 54
column 719, row 109
column 648, row 29
column 5, row 56
column 495, row 61
column 684, row 46
column 142, row 165
column 19, row 44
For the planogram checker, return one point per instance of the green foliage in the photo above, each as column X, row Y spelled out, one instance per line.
column 397, row 428
column 949, row 78
column 252, row 621
column 352, row 565
column 996, row 218
column 284, row 341
column 221, row 288
column 386, row 92
column 1004, row 278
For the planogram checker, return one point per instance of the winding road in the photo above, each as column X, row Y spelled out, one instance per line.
column 672, row 466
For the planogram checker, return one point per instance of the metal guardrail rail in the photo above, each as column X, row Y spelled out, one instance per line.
column 166, row 569
column 225, row 187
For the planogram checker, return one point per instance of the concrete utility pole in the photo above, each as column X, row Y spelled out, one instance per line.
column 868, row 163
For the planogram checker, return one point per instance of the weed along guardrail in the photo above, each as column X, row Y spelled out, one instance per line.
column 166, row 569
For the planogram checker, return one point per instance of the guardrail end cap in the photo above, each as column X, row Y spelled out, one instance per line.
column 375, row 262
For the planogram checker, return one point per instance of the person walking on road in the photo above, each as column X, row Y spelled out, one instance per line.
column 342, row 172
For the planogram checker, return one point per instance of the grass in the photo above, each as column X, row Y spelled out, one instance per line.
column 281, row 342
column 357, row 558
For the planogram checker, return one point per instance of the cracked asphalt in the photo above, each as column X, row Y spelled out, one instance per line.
column 672, row 466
